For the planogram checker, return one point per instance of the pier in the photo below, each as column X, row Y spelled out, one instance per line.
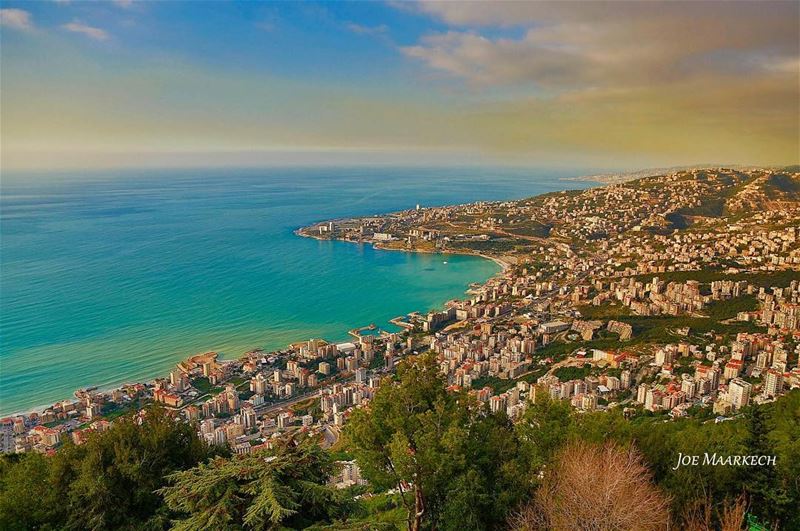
column 357, row 332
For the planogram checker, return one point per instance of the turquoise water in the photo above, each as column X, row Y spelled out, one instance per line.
column 113, row 277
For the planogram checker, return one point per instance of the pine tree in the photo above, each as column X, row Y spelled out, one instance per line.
column 265, row 490
column 768, row 498
column 456, row 465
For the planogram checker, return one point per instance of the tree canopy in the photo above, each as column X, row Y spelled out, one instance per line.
column 264, row 490
column 456, row 465
column 109, row 482
column 434, row 456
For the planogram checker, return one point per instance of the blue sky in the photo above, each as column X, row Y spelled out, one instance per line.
column 605, row 84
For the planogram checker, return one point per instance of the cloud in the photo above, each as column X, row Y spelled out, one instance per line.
column 484, row 61
column 624, row 84
column 573, row 46
column 16, row 18
column 381, row 29
column 90, row 31
column 680, row 80
column 124, row 3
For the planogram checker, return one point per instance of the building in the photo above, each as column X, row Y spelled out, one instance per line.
column 773, row 383
column 258, row 384
column 553, row 327
column 739, row 393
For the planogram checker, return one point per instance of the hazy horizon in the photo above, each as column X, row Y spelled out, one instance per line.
column 255, row 161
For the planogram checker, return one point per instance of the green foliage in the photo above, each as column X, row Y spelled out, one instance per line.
column 762, row 279
column 485, row 246
column 109, row 482
column 573, row 373
column 204, row 386
column 371, row 513
column 543, row 429
column 530, row 228
column 462, row 462
column 27, row 500
column 603, row 312
column 773, row 494
column 287, row 487
column 720, row 310
column 498, row 385
column 770, row 429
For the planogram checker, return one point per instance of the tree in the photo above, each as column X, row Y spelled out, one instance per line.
column 543, row 430
column 109, row 482
column 113, row 476
column 265, row 490
column 455, row 465
column 662, row 442
column 596, row 487
column 785, row 440
column 769, row 498
column 26, row 499
column 700, row 516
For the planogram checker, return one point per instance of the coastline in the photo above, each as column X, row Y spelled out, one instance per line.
column 498, row 231
column 503, row 264
column 502, row 261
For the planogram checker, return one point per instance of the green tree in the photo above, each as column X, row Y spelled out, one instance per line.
column 768, row 497
column 287, row 487
column 785, row 439
column 113, row 476
column 544, row 429
column 455, row 465
column 27, row 500
column 109, row 482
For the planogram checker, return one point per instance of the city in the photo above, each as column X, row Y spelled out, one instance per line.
column 607, row 307
column 423, row 265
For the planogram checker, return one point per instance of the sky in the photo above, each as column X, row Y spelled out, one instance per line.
column 132, row 83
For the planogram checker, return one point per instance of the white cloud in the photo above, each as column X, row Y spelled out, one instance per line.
column 90, row 31
column 484, row 61
column 367, row 30
column 16, row 18
column 124, row 3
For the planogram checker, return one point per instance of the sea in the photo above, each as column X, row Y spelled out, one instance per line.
column 109, row 277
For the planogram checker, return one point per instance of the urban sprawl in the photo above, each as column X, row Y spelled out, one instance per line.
column 674, row 295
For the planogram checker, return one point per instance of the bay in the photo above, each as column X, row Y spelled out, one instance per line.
column 108, row 277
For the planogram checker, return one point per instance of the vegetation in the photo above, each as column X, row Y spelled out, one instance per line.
column 573, row 373
column 435, row 460
column 603, row 312
column 660, row 328
column 284, row 488
column 485, row 246
column 461, row 464
column 109, row 482
column 592, row 486
column 720, row 310
column 204, row 386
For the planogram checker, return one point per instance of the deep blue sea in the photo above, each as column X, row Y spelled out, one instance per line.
column 108, row 277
